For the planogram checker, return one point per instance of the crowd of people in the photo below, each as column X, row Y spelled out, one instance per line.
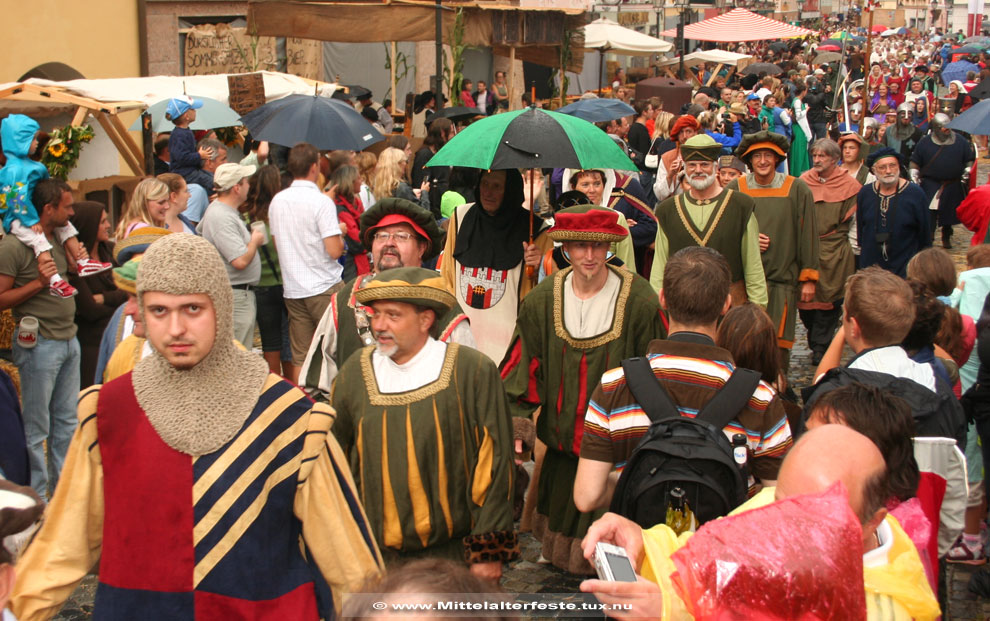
column 308, row 374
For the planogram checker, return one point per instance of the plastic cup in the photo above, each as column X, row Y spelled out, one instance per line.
column 260, row 226
column 27, row 332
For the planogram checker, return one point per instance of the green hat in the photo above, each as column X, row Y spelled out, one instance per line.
column 700, row 148
column 390, row 211
column 762, row 140
column 137, row 242
column 125, row 276
column 413, row 285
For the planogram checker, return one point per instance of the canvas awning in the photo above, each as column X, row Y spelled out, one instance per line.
column 106, row 99
column 604, row 35
column 535, row 33
column 739, row 25
column 721, row 57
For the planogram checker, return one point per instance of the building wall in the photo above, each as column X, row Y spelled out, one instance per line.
column 163, row 29
column 79, row 33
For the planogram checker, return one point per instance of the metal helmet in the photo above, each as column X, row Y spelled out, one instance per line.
column 905, row 108
column 939, row 122
column 871, row 123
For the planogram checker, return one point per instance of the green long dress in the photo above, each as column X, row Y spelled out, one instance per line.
column 798, row 160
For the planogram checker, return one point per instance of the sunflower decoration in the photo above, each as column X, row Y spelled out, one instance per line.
column 62, row 151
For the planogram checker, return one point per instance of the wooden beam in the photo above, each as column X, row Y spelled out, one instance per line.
column 80, row 116
column 714, row 74
column 128, row 139
column 118, row 141
column 512, row 79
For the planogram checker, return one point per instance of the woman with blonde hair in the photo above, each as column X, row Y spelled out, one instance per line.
column 147, row 207
column 387, row 180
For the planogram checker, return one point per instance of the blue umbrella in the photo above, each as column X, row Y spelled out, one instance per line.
column 975, row 121
column 958, row 71
column 323, row 122
column 213, row 114
column 598, row 110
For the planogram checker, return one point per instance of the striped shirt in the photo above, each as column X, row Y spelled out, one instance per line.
column 691, row 373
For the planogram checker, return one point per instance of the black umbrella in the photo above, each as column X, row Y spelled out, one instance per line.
column 976, row 120
column 321, row 121
column 356, row 91
column 458, row 113
column 779, row 46
column 981, row 90
column 969, row 49
column 757, row 68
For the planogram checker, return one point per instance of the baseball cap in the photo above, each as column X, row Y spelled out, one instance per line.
column 177, row 106
column 229, row 175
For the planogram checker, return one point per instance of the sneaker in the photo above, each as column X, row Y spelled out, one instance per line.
column 962, row 553
column 88, row 267
column 62, row 289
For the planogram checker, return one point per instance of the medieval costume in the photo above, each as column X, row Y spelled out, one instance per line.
column 942, row 160
column 483, row 264
column 903, row 136
column 561, row 346
column 785, row 213
column 624, row 194
column 726, row 223
column 346, row 325
column 835, row 207
column 668, row 184
column 207, row 492
column 429, row 440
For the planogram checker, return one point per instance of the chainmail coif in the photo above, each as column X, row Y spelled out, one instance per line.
column 196, row 411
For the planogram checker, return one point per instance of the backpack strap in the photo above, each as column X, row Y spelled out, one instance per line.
column 731, row 398
column 647, row 390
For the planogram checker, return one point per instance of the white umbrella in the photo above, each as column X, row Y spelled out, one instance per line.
column 605, row 35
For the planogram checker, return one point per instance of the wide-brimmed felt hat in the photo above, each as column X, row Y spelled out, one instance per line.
column 137, row 242
column 731, row 161
column 125, row 276
column 701, row 148
column 852, row 137
column 587, row 223
column 390, row 211
column 739, row 109
column 881, row 153
column 763, row 139
column 412, row 285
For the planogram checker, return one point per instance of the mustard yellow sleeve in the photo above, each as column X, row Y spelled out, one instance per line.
column 448, row 267
column 334, row 525
column 69, row 542
column 660, row 544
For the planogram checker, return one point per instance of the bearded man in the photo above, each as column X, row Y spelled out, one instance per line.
column 400, row 233
column 788, row 233
column 708, row 215
column 427, row 428
column 903, row 136
column 891, row 216
column 203, row 485
column 572, row 327
column 835, row 193
column 941, row 164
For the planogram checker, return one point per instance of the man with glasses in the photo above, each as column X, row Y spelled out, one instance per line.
column 892, row 219
column 400, row 233
column 708, row 215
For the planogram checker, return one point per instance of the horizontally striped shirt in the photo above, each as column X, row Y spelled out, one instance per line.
column 691, row 373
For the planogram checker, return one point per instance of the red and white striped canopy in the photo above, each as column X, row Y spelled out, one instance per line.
column 739, row 25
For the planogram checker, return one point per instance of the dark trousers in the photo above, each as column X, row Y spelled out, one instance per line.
column 821, row 326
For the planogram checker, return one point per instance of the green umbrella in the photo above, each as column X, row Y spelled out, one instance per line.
column 532, row 138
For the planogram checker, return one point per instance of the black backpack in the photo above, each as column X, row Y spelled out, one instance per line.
column 680, row 452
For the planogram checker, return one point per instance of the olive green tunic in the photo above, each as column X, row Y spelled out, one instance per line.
column 432, row 465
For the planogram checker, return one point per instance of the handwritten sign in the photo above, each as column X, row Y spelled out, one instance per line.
column 215, row 49
column 304, row 57
column 246, row 92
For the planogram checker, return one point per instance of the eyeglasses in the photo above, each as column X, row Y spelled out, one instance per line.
column 384, row 236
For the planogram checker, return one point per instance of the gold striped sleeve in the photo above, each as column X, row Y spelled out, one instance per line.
column 71, row 537
column 335, row 527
